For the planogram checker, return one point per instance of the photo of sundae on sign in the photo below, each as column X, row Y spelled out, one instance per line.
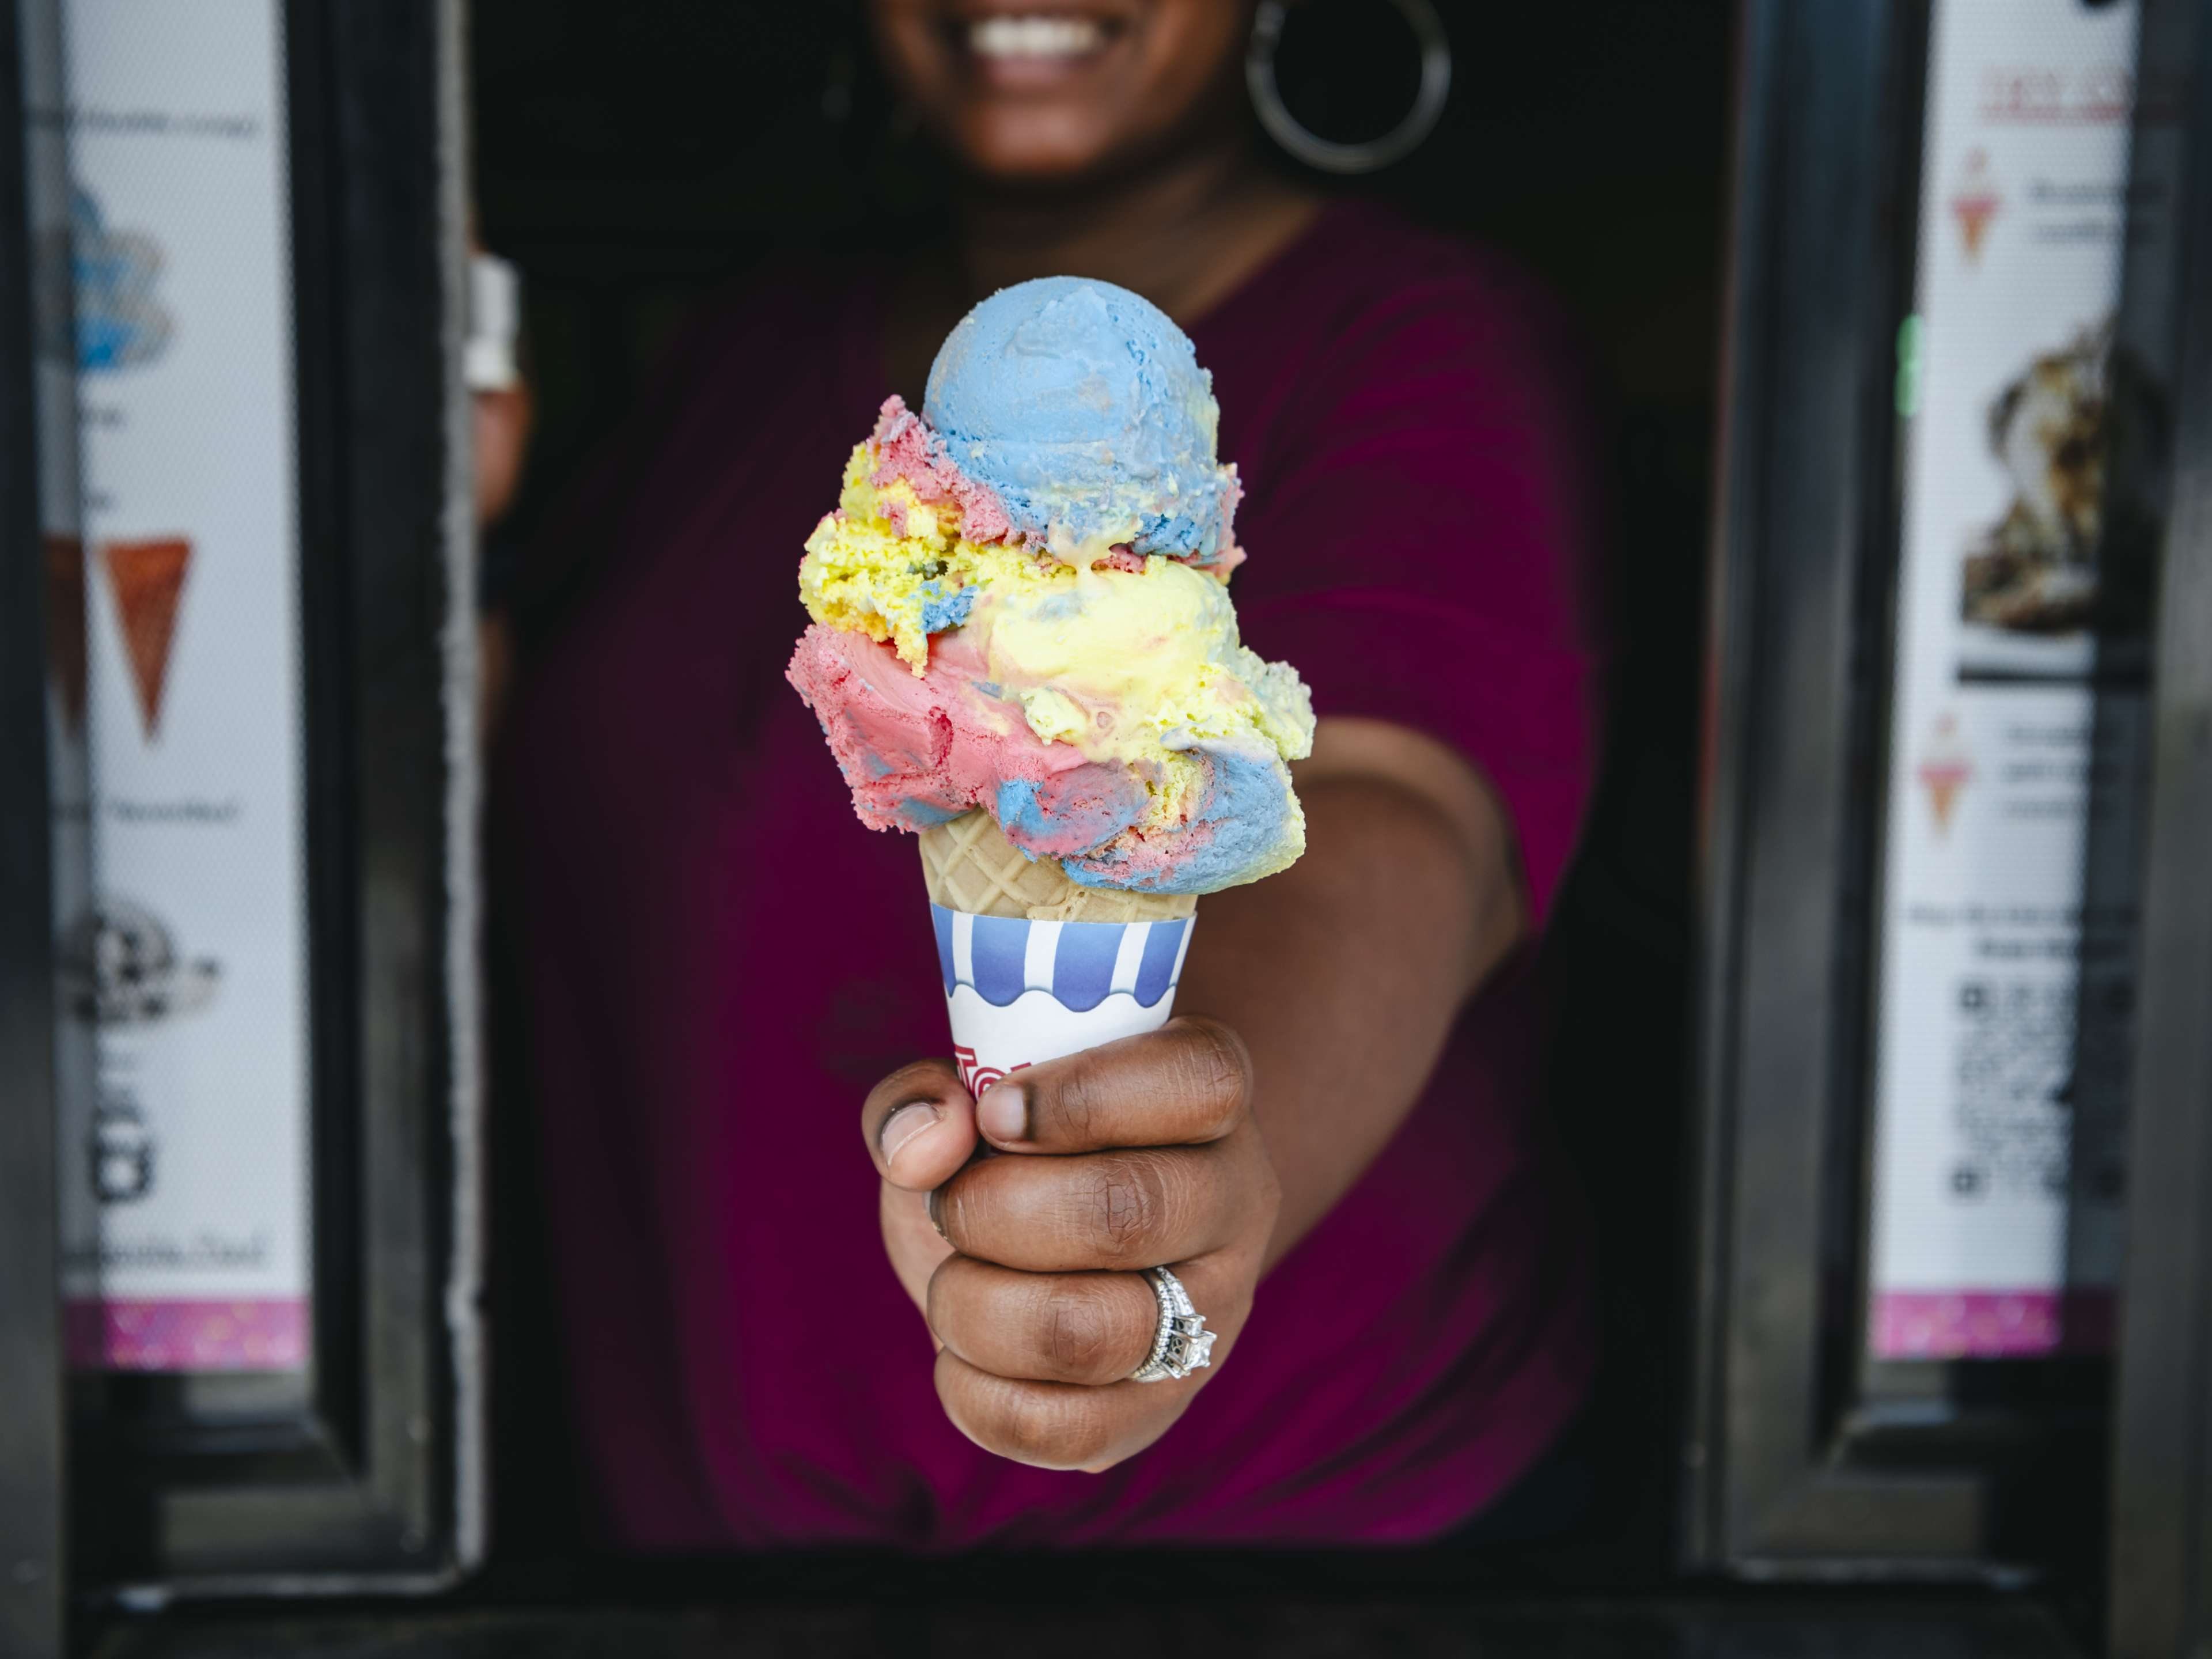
column 1023, row 653
column 2069, row 554
column 119, row 965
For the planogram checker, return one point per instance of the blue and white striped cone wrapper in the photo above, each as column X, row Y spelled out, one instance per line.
column 1021, row 991
column 1034, row 965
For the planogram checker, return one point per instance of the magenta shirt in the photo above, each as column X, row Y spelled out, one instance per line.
column 717, row 960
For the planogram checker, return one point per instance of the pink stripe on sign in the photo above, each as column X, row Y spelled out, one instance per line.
column 145, row 1334
column 1990, row 1324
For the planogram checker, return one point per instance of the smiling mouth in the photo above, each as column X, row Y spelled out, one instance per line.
column 1035, row 41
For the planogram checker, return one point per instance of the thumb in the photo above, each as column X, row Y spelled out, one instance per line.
column 919, row 1124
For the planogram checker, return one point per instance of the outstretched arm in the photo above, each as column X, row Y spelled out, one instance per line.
column 1344, row 974
column 1316, row 1004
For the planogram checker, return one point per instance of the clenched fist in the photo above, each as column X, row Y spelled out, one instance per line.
column 1028, row 1261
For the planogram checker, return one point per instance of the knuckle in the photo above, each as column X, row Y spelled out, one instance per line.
column 1075, row 1102
column 1124, row 1199
column 1077, row 1335
column 1216, row 1067
column 1050, row 1426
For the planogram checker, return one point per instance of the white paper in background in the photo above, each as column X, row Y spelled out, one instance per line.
column 2000, row 1077
column 161, row 224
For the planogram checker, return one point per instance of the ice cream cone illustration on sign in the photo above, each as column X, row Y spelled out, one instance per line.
column 1975, row 204
column 148, row 579
column 1944, row 772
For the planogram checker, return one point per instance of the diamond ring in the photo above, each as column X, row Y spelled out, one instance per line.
column 1182, row 1344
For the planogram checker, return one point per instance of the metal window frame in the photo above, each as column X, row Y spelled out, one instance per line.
column 2160, row 1562
column 1799, row 1461
column 31, row 1567
column 370, row 1479
column 1805, row 524
column 1805, row 1459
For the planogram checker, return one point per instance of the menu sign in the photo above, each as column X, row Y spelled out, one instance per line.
column 2018, row 713
column 165, row 340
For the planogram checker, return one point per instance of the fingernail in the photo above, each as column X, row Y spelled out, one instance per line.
column 936, row 1212
column 904, row 1125
column 1004, row 1112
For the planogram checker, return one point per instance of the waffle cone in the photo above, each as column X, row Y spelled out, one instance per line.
column 969, row 865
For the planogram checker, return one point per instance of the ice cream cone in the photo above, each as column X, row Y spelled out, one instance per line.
column 1019, row 612
column 971, row 866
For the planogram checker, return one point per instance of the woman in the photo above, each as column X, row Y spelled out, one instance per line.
column 1334, row 1145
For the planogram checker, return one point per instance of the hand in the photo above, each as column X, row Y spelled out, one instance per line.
column 504, row 419
column 1027, row 1265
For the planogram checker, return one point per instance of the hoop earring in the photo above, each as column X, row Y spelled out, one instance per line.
column 1329, row 156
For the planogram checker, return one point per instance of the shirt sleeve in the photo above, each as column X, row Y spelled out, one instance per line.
column 1419, row 527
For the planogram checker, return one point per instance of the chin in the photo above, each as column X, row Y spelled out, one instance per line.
column 1029, row 145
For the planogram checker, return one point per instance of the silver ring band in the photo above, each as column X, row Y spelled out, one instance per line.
column 1181, row 1343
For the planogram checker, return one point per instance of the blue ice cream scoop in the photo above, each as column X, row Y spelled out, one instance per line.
column 1084, row 407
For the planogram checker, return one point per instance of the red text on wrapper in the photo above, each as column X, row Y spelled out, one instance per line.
column 976, row 1079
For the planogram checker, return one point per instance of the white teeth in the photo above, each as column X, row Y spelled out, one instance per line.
column 1035, row 36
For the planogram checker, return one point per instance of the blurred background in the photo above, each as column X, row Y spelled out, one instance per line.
column 1879, row 970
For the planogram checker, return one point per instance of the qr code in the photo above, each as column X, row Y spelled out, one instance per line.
column 2042, row 1079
